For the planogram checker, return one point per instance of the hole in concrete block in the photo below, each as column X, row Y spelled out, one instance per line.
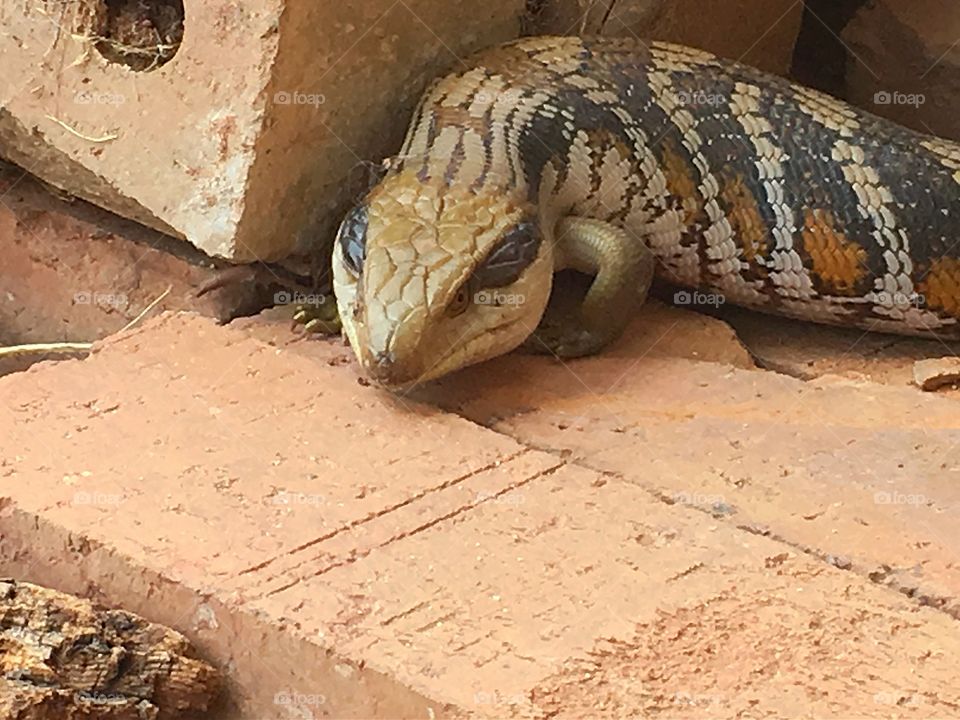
column 141, row 34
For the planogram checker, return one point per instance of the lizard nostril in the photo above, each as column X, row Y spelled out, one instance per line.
column 384, row 369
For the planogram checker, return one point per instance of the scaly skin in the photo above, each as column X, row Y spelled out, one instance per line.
column 778, row 197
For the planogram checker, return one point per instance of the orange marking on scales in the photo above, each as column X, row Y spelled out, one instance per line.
column 744, row 216
column 838, row 262
column 940, row 287
column 681, row 181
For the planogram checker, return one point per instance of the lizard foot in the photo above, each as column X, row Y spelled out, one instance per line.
column 558, row 336
column 323, row 318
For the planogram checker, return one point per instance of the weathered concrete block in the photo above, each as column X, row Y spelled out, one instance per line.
column 904, row 63
column 759, row 32
column 239, row 136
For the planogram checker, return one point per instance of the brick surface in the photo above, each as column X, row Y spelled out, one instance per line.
column 635, row 534
column 860, row 473
column 242, row 141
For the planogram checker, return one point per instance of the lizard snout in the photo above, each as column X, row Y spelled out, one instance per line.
column 384, row 369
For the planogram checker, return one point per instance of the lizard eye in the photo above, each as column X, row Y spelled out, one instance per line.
column 352, row 237
column 459, row 303
column 513, row 254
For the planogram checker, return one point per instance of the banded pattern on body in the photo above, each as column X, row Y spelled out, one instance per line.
column 781, row 198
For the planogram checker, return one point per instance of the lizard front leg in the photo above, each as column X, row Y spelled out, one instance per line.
column 323, row 319
column 623, row 269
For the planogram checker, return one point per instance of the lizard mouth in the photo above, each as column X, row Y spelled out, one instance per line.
column 395, row 376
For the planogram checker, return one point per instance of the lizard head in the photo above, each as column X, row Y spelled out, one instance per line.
column 431, row 278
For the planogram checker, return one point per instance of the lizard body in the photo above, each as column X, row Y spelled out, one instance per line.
column 602, row 155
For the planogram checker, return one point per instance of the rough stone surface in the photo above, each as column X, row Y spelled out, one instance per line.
column 903, row 63
column 636, row 534
column 932, row 374
column 74, row 273
column 758, row 32
column 808, row 351
column 240, row 142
